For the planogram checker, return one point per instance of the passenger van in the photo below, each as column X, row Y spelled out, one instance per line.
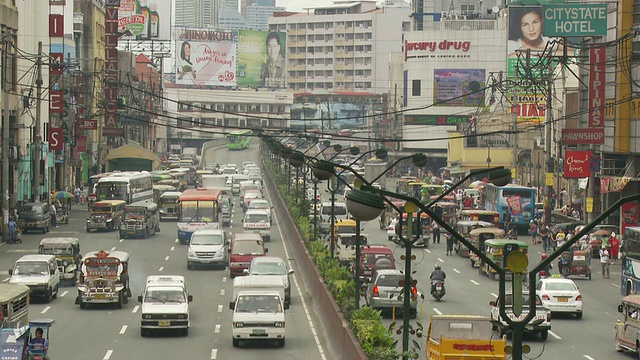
column 236, row 179
column 340, row 213
column 40, row 273
column 35, row 216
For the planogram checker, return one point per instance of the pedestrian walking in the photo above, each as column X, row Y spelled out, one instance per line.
column 587, row 248
column 54, row 212
column 450, row 242
column 560, row 238
column 436, row 233
column 534, row 232
column 605, row 263
column 544, row 236
column 614, row 244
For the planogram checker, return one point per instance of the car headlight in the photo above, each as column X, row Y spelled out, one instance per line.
column 191, row 253
column 238, row 324
column 279, row 324
column 146, row 316
column 109, row 220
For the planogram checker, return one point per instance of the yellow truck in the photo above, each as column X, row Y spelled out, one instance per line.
column 455, row 337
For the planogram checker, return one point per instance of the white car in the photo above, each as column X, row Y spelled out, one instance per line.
column 391, row 230
column 560, row 295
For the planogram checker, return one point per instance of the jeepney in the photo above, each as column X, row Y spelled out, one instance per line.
column 177, row 184
column 105, row 215
column 464, row 228
column 480, row 215
column 168, row 205
column 494, row 249
column 104, row 279
column 140, row 219
column 158, row 190
column 14, row 305
column 478, row 236
column 345, row 240
column 421, row 230
column 628, row 329
column 67, row 251
column 449, row 210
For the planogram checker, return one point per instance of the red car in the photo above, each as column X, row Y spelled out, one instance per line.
column 371, row 256
column 244, row 247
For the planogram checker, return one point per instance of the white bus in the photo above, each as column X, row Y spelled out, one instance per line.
column 130, row 186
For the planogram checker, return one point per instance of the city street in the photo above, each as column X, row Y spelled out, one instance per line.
column 109, row 333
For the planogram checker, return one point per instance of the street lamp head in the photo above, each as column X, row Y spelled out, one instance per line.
column 500, row 177
column 326, row 143
column 323, row 170
column 364, row 205
column 296, row 159
column 419, row 160
column 354, row 150
column 337, row 147
column 285, row 152
column 381, row 153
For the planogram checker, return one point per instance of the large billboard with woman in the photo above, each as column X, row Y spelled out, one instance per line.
column 206, row 57
column 262, row 59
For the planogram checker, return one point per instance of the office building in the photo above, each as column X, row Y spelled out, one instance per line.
column 196, row 13
column 258, row 16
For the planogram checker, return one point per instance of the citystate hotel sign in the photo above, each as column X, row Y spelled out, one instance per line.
column 436, row 49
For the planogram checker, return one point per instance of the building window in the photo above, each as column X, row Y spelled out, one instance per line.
column 415, row 88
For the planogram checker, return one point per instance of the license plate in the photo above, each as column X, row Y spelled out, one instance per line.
column 438, row 288
column 132, row 231
column 563, row 299
column 99, row 296
column 259, row 332
column 164, row 323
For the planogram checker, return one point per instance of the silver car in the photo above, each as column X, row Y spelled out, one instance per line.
column 272, row 265
column 208, row 247
column 384, row 291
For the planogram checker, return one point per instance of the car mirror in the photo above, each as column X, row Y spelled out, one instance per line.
column 290, row 271
column 190, row 298
column 140, row 298
column 232, row 305
column 620, row 308
column 492, row 303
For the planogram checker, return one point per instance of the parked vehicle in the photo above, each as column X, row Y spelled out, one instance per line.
column 165, row 305
column 35, row 216
column 40, row 273
column 105, row 215
column 140, row 219
column 67, row 252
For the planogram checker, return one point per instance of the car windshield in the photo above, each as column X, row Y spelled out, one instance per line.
column 33, row 210
column 258, row 303
column 346, row 230
column 560, row 286
column 165, row 296
column 209, row 239
column 390, row 280
column 269, row 268
column 259, row 205
column 248, row 248
column 31, row 268
column 256, row 218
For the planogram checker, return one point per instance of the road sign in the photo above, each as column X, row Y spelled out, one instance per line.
column 575, row 20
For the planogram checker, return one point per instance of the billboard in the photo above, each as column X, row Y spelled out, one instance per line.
column 143, row 18
column 577, row 164
column 458, row 87
column 262, row 59
column 206, row 57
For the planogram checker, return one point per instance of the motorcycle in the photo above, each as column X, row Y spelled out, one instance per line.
column 564, row 264
column 437, row 289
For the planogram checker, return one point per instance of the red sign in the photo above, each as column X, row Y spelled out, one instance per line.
column 515, row 204
column 432, row 46
column 81, row 143
column 577, row 164
column 629, row 215
column 55, row 64
column 113, row 131
column 55, row 139
column 582, row 136
column 56, row 101
column 87, row 124
column 56, row 26
column 597, row 60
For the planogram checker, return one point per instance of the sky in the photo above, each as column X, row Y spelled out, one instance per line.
column 298, row 5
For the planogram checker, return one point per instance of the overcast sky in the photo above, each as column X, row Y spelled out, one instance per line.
column 298, row 5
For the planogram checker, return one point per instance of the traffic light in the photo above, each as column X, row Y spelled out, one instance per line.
column 508, row 249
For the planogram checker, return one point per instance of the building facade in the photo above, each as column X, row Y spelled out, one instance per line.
column 342, row 47
column 196, row 13
column 258, row 16
column 9, row 27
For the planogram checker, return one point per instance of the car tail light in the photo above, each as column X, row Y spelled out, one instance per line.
column 375, row 291
column 414, row 291
column 579, row 298
column 545, row 297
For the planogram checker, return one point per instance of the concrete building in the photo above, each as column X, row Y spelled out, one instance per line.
column 195, row 116
column 342, row 47
column 258, row 16
column 245, row 4
column 196, row 13
column 228, row 16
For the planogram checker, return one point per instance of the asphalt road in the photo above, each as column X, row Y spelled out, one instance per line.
column 108, row 333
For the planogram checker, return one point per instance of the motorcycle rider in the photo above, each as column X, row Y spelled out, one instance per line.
column 437, row 275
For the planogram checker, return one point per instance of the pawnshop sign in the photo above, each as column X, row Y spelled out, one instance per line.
column 444, row 48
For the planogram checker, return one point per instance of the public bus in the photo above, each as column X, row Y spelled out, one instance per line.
column 130, row 186
column 517, row 200
column 630, row 279
column 238, row 140
column 93, row 181
column 197, row 209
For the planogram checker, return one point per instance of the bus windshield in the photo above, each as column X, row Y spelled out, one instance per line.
column 193, row 211
column 111, row 191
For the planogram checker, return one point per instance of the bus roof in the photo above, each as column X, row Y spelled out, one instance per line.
column 10, row 292
column 200, row 194
column 125, row 176
column 240, row 132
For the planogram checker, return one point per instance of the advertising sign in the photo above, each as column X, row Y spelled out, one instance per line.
column 582, row 136
column 87, row 124
column 436, row 49
column 206, row 57
column 629, row 215
column 436, row 119
column 55, row 139
column 262, row 59
column 577, row 164
column 458, row 87
column 575, row 20
column 81, row 143
column 597, row 78
column 143, row 18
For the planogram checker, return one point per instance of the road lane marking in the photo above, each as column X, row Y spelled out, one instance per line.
column 435, row 310
column 135, row 309
column 442, row 261
column 588, row 357
column 45, row 309
column 616, row 285
column 172, row 248
column 64, row 293
column 427, row 250
column 161, row 268
column 221, row 292
column 166, row 258
column 123, row 329
column 494, row 295
column 220, row 307
column 113, row 248
column 224, row 279
column 176, row 241
column 456, row 271
column 107, row 356
column 474, row 282
column 121, row 240
column 217, row 329
column 214, row 354
column 554, row 335
column 5, row 279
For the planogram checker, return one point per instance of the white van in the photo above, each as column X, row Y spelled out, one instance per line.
column 41, row 273
column 235, row 183
column 340, row 213
column 258, row 315
column 165, row 304
column 257, row 221
column 257, row 282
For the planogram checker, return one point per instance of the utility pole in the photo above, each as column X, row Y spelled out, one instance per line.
column 547, row 144
column 5, row 138
column 37, row 141
column 515, row 119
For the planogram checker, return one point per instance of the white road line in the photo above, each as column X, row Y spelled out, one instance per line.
column 161, row 268
column 107, row 356
column 5, row 279
column 224, row 279
column 166, row 258
column 123, row 329
column 172, row 248
column 176, row 241
column 135, row 309
column 45, row 309
column 220, row 307
column 64, row 293
column 474, row 282
column 113, row 248
column 588, row 357
column 456, row 271
column 217, row 329
column 435, row 310
column 616, row 285
column 494, row 295
column 442, row 261
column 121, row 240
column 221, row 292
column 214, row 354
column 427, row 250
column 554, row 335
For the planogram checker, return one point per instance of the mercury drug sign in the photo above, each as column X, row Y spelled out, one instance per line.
column 575, row 20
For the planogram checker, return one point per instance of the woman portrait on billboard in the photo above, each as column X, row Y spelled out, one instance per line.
column 185, row 66
column 525, row 29
column 272, row 73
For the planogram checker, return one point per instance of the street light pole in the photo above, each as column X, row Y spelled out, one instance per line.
column 356, row 272
column 406, row 306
